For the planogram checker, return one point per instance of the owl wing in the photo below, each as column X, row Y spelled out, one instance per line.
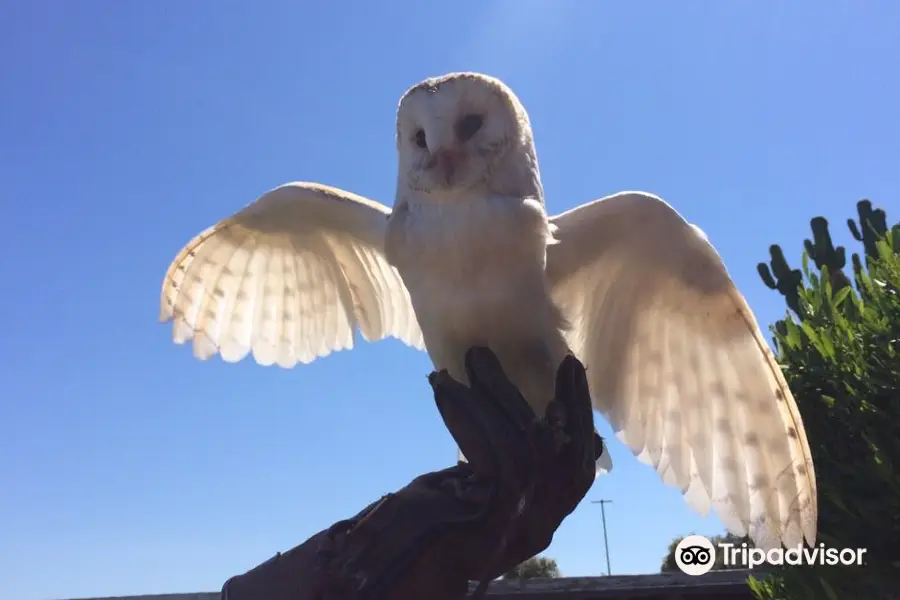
column 679, row 366
column 289, row 278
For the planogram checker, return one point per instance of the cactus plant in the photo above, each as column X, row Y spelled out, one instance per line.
column 825, row 254
column 782, row 278
column 872, row 226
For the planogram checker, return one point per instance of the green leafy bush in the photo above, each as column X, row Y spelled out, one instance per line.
column 840, row 350
column 535, row 567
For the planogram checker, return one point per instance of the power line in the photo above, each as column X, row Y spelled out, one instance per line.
column 602, row 504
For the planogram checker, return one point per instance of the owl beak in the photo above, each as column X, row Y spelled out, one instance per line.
column 446, row 161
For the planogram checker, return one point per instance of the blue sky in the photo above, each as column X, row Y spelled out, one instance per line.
column 129, row 467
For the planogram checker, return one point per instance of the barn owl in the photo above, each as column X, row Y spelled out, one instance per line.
column 469, row 256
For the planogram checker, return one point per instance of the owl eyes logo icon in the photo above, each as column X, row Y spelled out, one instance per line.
column 695, row 555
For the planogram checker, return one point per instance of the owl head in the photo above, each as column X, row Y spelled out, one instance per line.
column 463, row 135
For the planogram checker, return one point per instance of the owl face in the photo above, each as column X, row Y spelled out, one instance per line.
column 454, row 131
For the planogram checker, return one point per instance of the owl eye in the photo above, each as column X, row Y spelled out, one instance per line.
column 468, row 126
column 420, row 139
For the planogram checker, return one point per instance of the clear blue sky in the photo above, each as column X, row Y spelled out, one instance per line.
column 129, row 467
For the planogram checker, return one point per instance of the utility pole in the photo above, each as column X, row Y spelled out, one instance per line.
column 605, row 538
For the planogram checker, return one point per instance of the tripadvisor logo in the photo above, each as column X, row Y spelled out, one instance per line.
column 696, row 555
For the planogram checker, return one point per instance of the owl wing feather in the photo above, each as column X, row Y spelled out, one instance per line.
column 288, row 278
column 679, row 366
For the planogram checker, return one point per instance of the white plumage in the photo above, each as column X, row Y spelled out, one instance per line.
column 468, row 256
column 679, row 366
column 289, row 278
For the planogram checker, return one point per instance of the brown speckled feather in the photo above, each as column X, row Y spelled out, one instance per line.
column 678, row 364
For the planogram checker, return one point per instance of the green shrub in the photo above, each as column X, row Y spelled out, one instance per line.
column 535, row 567
column 840, row 349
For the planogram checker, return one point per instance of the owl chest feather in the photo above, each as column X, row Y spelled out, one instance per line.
column 474, row 271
